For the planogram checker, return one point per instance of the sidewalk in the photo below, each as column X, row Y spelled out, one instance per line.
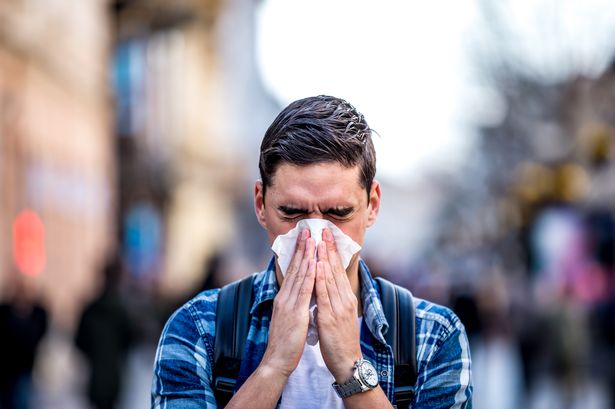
column 61, row 376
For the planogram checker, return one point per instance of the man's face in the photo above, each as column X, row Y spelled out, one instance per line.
column 321, row 191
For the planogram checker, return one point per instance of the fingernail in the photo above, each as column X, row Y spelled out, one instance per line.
column 327, row 235
column 304, row 234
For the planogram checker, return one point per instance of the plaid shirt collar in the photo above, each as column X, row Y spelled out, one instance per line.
column 266, row 288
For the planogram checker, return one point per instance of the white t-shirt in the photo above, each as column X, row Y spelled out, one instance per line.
column 309, row 386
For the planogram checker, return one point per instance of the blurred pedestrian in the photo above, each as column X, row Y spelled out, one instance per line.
column 23, row 322
column 104, row 335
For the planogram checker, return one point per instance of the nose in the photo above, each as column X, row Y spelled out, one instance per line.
column 315, row 214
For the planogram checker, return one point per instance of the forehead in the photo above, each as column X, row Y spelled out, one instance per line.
column 327, row 183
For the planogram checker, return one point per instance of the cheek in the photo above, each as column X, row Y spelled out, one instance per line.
column 358, row 238
column 354, row 230
column 277, row 227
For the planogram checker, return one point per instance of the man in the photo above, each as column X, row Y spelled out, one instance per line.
column 23, row 323
column 317, row 161
column 104, row 335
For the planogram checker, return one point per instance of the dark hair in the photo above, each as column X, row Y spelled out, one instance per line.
column 316, row 130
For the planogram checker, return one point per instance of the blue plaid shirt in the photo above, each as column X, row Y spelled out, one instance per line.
column 184, row 359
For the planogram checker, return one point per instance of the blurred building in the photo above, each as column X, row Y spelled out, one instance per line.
column 529, row 236
column 56, row 149
column 554, row 146
column 190, row 112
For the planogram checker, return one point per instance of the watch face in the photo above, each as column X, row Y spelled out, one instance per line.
column 368, row 374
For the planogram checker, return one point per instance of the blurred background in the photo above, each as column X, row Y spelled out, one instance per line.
column 129, row 135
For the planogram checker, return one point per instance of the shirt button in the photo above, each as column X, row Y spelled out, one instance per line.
column 384, row 374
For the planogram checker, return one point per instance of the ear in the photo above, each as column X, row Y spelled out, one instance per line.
column 373, row 205
column 259, row 203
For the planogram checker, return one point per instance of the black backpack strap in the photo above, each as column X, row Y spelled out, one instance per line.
column 232, row 325
column 399, row 311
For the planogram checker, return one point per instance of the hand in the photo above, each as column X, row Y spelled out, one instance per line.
column 290, row 317
column 338, row 329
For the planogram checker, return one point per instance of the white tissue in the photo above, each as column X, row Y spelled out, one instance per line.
column 284, row 247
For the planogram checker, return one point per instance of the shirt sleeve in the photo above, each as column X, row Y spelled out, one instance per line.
column 182, row 369
column 446, row 379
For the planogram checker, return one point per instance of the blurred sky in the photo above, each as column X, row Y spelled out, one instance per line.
column 411, row 67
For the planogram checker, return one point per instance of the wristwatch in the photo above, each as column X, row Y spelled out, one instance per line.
column 363, row 379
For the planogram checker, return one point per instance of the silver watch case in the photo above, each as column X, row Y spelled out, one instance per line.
column 364, row 378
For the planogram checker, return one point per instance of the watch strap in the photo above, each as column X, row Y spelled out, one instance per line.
column 348, row 388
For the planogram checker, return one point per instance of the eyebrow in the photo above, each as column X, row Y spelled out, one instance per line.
column 335, row 211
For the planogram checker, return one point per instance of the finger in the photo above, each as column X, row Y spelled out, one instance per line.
column 295, row 263
column 332, row 287
column 335, row 261
column 308, row 255
column 307, row 286
column 322, row 252
column 294, row 266
column 322, row 294
column 332, row 254
column 323, row 255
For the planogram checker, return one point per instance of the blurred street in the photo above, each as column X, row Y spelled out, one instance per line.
column 129, row 139
column 68, row 393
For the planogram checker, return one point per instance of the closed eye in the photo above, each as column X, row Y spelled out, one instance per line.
column 291, row 212
column 339, row 212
